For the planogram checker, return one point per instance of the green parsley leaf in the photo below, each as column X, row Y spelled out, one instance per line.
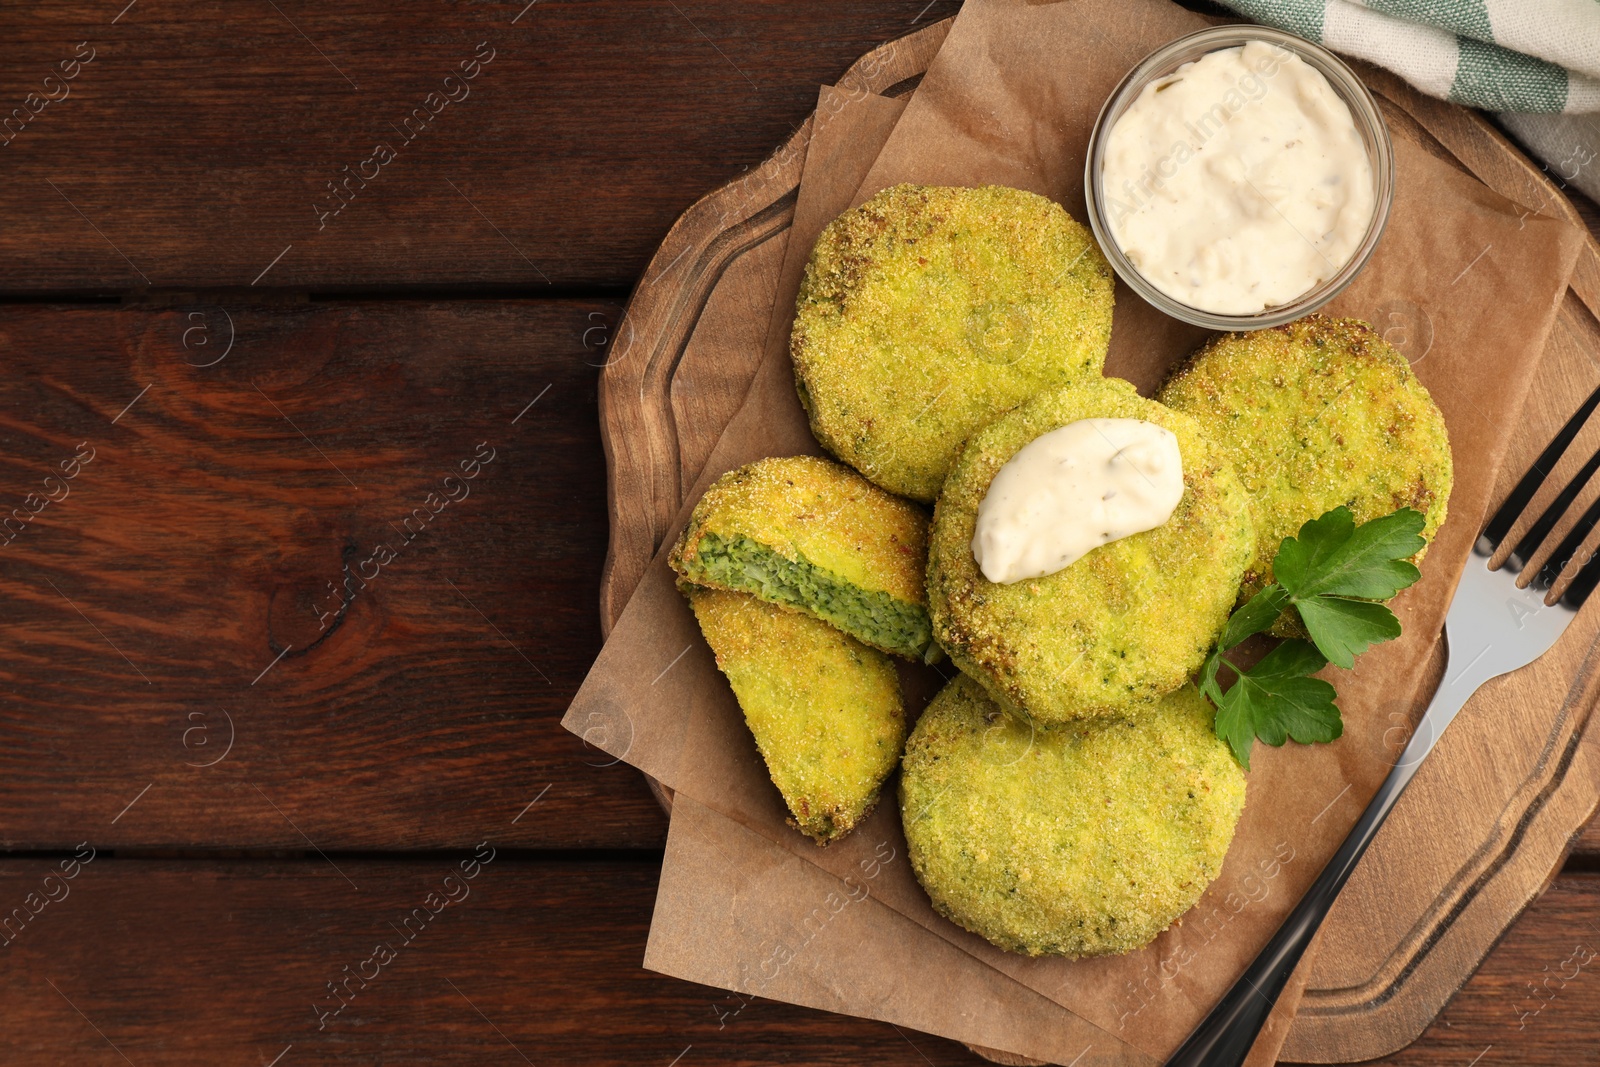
column 1343, row 629
column 1335, row 574
column 1276, row 700
column 1260, row 612
column 1335, row 557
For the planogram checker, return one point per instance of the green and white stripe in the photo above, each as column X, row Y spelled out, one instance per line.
column 1500, row 55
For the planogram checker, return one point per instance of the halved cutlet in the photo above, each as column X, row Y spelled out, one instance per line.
column 814, row 536
column 825, row 709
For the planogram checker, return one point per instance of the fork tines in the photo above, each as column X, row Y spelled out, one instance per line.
column 1522, row 495
column 1529, row 543
column 1506, row 517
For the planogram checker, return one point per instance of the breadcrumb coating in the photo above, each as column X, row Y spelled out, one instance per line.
column 1085, row 840
column 929, row 310
column 825, row 709
column 1314, row 414
column 1129, row 621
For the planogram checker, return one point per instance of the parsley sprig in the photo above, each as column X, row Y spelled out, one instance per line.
column 1333, row 574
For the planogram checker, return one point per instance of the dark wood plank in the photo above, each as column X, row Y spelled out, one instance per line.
column 199, row 141
column 1586, row 850
column 230, row 963
column 219, row 558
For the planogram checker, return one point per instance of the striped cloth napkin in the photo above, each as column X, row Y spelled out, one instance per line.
column 1535, row 61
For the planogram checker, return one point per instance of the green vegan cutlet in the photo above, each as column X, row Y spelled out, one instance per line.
column 929, row 310
column 1127, row 622
column 825, row 709
column 1085, row 840
column 808, row 534
column 1315, row 414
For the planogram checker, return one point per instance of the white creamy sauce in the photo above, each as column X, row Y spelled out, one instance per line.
column 1239, row 181
column 1072, row 490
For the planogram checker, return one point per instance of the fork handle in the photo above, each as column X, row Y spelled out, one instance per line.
column 1225, row 1036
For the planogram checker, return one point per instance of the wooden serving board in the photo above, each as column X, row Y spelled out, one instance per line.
column 1469, row 846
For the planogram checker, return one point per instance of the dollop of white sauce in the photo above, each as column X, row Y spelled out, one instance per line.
column 1072, row 490
column 1239, row 181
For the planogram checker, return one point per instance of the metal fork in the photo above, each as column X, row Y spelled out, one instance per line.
column 1492, row 628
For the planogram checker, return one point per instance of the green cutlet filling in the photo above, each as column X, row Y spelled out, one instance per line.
column 874, row 618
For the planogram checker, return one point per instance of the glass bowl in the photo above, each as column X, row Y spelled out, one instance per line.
column 1346, row 85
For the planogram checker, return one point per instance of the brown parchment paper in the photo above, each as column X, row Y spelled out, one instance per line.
column 775, row 926
column 1010, row 98
column 607, row 712
column 768, row 917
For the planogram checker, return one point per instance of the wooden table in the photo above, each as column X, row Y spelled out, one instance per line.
column 286, row 654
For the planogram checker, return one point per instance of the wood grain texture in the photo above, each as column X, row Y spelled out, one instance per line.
column 1586, row 849
column 199, row 141
column 1398, row 946
column 1489, row 818
column 1530, row 1003
column 229, row 962
column 695, row 328
column 1371, row 991
column 192, row 151
column 217, row 569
